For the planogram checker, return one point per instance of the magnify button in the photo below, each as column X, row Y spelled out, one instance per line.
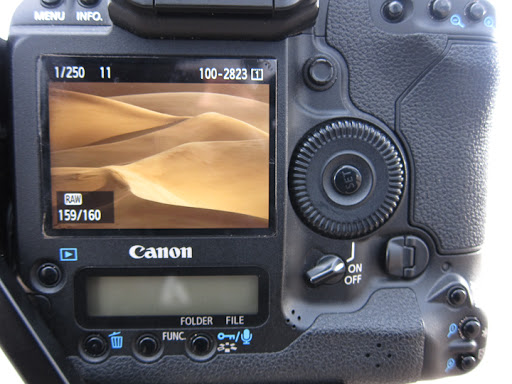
column 457, row 21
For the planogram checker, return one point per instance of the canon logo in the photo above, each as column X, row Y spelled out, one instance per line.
column 141, row 252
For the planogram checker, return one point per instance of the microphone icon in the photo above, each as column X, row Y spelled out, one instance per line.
column 246, row 337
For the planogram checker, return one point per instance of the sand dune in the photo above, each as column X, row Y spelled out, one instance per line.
column 226, row 176
column 201, row 169
column 222, row 176
column 134, row 212
column 251, row 111
column 78, row 119
column 203, row 128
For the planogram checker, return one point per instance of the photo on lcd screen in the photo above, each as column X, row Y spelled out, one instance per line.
column 159, row 156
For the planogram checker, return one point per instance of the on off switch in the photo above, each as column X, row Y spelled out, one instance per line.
column 330, row 269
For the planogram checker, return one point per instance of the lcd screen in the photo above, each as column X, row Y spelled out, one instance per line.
column 176, row 143
column 119, row 296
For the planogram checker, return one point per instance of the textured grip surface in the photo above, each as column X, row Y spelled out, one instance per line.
column 381, row 65
column 445, row 120
column 442, row 98
column 373, row 345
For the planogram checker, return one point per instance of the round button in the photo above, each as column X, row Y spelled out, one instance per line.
column 393, row 11
column 347, row 180
column 440, row 9
column 467, row 363
column 50, row 3
column 476, row 11
column 147, row 346
column 457, row 296
column 200, row 345
column 319, row 73
column 89, row 3
column 49, row 274
column 95, row 346
column 471, row 329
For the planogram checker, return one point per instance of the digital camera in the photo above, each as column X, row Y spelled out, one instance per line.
column 245, row 191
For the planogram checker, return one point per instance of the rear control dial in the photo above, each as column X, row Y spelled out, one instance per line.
column 346, row 178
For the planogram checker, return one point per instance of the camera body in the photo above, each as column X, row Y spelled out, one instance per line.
column 252, row 191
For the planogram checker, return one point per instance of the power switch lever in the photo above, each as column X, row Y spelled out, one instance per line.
column 330, row 269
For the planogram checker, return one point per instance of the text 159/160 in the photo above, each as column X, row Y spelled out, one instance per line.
column 67, row 215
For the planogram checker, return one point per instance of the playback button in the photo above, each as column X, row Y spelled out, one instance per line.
column 49, row 275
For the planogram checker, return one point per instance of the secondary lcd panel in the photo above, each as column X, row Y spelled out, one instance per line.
column 171, row 297
column 160, row 143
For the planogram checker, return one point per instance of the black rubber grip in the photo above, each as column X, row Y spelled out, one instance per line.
column 438, row 95
column 368, row 346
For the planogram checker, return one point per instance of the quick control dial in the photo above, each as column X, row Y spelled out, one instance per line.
column 346, row 178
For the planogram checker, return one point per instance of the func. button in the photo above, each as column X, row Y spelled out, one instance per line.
column 147, row 348
column 147, row 345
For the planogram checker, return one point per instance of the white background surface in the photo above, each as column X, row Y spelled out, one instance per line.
column 493, row 292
